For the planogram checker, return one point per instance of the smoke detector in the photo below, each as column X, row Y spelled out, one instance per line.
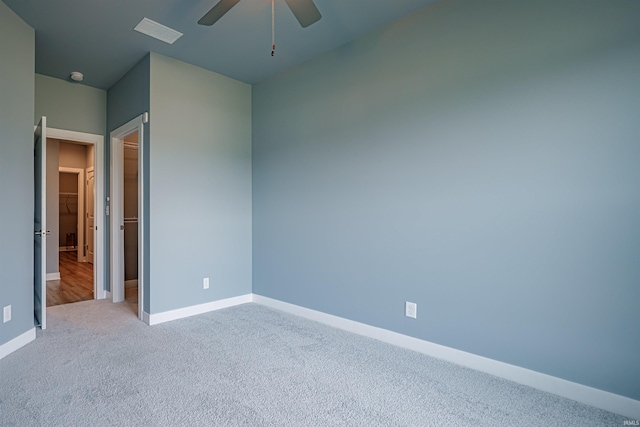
column 77, row 76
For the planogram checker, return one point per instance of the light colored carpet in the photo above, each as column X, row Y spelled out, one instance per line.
column 97, row 365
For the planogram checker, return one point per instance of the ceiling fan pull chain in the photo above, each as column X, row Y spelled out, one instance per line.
column 273, row 28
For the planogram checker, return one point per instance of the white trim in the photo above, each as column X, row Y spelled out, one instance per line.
column 588, row 395
column 98, row 181
column 18, row 342
column 74, row 136
column 80, row 224
column 116, row 219
column 141, row 214
column 53, row 276
column 180, row 313
column 146, row 317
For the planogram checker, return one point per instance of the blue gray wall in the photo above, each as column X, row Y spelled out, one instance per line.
column 17, row 53
column 126, row 100
column 200, row 196
column 129, row 96
column 477, row 158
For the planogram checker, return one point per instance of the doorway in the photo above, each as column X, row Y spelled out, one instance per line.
column 95, row 199
column 127, row 215
column 46, row 243
column 70, row 261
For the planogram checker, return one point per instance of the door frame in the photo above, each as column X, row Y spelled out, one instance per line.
column 81, row 209
column 117, row 209
column 98, row 201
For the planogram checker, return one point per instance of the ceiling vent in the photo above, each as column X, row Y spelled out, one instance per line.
column 157, row 31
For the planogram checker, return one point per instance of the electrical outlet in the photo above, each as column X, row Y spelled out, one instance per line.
column 205, row 283
column 411, row 309
column 7, row 314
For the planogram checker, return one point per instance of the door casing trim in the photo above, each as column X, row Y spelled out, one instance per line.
column 99, row 209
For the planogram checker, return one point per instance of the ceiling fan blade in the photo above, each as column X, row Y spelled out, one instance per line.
column 305, row 11
column 217, row 12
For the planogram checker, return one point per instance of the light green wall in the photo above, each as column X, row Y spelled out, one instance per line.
column 200, row 185
column 17, row 53
column 70, row 106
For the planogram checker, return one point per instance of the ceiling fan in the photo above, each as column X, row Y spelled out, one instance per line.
column 305, row 11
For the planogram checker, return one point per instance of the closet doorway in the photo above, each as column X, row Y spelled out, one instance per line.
column 127, row 218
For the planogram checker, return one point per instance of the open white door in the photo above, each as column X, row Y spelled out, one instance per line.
column 40, row 225
column 89, row 195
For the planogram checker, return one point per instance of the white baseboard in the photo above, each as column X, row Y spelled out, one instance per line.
column 588, row 395
column 155, row 318
column 53, row 276
column 19, row 341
